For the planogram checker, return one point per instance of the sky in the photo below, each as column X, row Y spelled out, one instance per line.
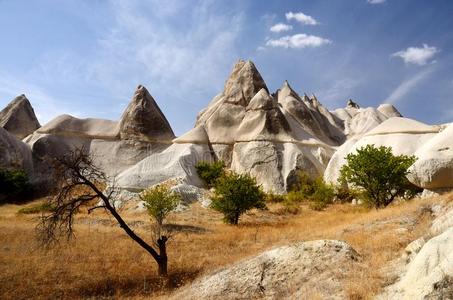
column 86, row 57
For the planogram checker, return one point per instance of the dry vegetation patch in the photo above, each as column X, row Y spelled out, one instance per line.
column 102, row 262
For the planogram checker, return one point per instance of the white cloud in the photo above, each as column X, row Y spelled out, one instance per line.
column 417, row 55
column 279, row 27
column 376, row 1
column 298, row 41
column 407, row 86
column 301, row 17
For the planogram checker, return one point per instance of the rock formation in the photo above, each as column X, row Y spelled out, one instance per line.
column 434, row 166
column 404, row 136
column 115, row 146
column 14, row 154
column 289, row 272
column 18, row 117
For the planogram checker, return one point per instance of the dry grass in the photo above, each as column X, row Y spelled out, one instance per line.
column 102, row 262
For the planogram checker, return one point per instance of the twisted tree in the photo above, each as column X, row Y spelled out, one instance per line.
column 79, row 182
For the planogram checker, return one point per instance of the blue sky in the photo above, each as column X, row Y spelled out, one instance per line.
column 85, row 58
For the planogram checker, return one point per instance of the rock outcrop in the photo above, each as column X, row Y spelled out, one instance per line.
column 305, row 270
column 404, row 136
column 115, row 146
column 143, row 119
column 18, row 117
column 434, row 166
column 14, row 154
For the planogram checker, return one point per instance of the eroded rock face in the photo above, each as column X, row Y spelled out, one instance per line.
column 143, row 119
column 403, row 135
column 18, row 118
column 300, row 271
column 428, row 275
column 14, row 154
column 434, row 166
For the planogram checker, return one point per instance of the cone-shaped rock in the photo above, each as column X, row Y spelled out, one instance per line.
column 244, row 82
column 143, row 119
column 19, row 118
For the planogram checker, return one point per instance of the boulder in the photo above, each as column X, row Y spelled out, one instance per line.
column 434, row 166
column 429, row 275
column 18, row 117
column 305, row 270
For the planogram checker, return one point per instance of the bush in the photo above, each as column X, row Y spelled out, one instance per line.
column 13, row 183
column 314, row 190
column 159, row 202
column 210, row 172
column 380, row 174
column 274, row 198
column 235, row 194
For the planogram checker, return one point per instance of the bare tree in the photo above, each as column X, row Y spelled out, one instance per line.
column 78, row 185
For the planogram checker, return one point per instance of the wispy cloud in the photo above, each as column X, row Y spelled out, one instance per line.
column 376, row 1
column 407, row 86
column 280, row 27
column 301, row 18
column 417, row 55
column 298, row 41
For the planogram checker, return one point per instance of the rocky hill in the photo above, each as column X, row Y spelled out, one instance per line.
column 269, row 135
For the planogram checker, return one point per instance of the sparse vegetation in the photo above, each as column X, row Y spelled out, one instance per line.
column 235, row 194
column 13, row 183
column 209, row 172
column 380, row 174
column 159, row 202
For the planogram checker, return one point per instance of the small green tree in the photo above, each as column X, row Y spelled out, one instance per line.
column 210, row 172
column 380, row 174
column 235, row 194
column 159, row 201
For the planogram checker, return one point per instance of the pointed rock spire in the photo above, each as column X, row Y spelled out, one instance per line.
column 244, row 82
column 143, row 119
column 19, row 118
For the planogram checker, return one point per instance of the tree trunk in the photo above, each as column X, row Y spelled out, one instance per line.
column 163, row 259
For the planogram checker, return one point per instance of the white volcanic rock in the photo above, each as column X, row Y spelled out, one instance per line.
column 430, row 274
column 305, row 270
column 434, row 166
column 404, row 136
column 177, row 161
column 197, row 135
column 69, row 126
column 389, row 110
column 18, row 117
column 114, row 146
column 143, row 119
column 14, row 154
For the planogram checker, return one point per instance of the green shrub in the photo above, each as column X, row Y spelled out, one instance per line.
column 343, row 193
column 210, row 172
column 274, row 198
column 13, row 183
column 234, row 194
column 37, row 208
column 380, row 174
column 323, row 192
column 159, row 202
column 313, row 190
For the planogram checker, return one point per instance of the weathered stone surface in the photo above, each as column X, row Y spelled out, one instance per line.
column 404, row 136
column 306, row 270
column 428, row 275
column 14, row 154
column 143, row 119
column 434, row 166
column 18, row 117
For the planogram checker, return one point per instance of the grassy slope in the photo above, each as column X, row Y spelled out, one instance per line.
column 103, row 262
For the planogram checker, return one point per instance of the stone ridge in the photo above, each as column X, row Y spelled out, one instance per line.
column 19, row 118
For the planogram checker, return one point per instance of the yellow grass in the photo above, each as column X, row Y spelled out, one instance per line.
column 102, row 262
